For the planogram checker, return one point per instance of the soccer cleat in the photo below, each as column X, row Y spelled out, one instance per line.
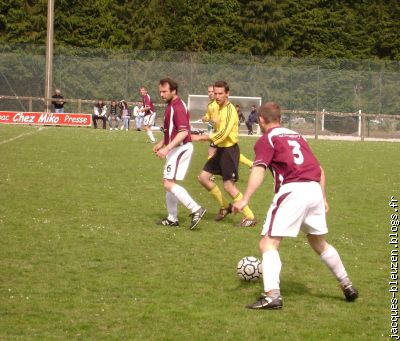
column 350, row 292
column 196, row 217
column 267, row 302
column 167, row 222
column 223, row 212
column 247, row 222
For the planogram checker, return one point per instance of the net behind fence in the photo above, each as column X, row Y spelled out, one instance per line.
column 314, row 85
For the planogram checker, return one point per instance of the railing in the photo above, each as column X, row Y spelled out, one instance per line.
column 358, row 124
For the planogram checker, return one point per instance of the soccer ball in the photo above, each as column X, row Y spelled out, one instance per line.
column 249, row 269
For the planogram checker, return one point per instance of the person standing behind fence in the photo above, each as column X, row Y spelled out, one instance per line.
column 242, row 119
column 125, row 117
column 114, row 118
column 149, row 113
column 100, row 112
column 251, row 120
column 138, row 115
column 58, row 103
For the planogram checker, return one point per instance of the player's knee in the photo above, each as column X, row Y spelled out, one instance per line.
column 269, row 243
column 167, row 184
column 201, row 178
column 229, row 187
column 318, row 243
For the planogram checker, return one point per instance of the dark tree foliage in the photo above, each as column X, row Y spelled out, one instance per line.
column 309, row 28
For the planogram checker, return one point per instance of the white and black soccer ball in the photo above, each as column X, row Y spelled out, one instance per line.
column 249, row 269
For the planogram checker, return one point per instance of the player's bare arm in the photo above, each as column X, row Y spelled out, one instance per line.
column 163, row 152
column 322, row 183
column 200, row 138
column 256, row 178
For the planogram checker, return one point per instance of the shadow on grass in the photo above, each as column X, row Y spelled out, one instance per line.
column 290, row 289
column 294, row 288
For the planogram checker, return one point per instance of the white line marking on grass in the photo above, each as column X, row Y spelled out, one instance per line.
column 20, row 135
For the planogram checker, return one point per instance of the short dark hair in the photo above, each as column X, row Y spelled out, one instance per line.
column 172, row 84
column 270, row 112
column 222, row 84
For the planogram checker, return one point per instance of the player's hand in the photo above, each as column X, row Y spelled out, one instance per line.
column 326, row 206
column 239, row 205
column 157, row 147
column 162, row 153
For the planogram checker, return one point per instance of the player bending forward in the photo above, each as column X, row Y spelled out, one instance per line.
column 177, row 148
column 299, row 203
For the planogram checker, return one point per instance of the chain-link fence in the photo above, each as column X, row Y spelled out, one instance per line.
column 333, row 85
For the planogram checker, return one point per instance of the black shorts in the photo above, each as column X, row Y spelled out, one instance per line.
column 225, row 162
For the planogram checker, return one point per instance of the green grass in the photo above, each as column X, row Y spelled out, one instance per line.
column 81, row 257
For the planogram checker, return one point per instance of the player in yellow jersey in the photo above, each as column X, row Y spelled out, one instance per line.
column 225, row 160
column 211, row 117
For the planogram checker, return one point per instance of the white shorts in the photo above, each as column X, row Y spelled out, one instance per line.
column 178, row 160
column 297, row 206
column 149, row 119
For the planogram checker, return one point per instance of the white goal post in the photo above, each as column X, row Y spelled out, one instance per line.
column 197, row 105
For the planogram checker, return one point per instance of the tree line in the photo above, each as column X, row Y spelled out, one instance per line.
column 289, row 28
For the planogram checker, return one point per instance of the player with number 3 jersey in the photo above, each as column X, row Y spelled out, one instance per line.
column 299, row 203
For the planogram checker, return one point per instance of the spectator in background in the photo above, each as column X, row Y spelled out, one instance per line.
column 242, row 119
column 138, row 115
column 251, row 120
column 100, row 112
column 58, row 103
column 113, row 118
column 125, row 117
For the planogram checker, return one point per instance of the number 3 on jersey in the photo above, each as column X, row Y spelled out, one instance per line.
column 297, row 154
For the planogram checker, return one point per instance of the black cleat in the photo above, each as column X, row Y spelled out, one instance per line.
column 267, row 302
column 350, row 292
column 223, row 212
column 167, row 222
column 196, row 217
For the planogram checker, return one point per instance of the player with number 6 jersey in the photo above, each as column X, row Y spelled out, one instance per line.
column 299, row 204
column 176, row 147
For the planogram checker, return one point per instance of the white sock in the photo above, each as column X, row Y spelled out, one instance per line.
column 183, row 196
column 172, row 206
column 150, row 135
column 332, row 260
column 271, row 265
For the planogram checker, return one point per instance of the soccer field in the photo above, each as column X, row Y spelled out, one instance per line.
column 82, row 258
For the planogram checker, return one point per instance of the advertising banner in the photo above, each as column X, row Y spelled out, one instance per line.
column 41, row 118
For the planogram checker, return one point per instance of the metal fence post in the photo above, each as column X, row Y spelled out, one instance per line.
column 362, row 126
column 30, row 104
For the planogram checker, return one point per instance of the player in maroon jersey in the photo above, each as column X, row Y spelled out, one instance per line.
column 299, row 203
column 149, row 113
column 177, row 148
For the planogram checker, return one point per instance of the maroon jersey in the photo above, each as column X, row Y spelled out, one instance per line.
column 148, row 103
column 288, row 156
column 176, row 119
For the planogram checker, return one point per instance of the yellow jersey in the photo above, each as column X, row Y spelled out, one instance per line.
column 212, row 112
column 227, row 127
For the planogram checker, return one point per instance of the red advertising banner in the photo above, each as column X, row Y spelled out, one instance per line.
column 41, row 118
